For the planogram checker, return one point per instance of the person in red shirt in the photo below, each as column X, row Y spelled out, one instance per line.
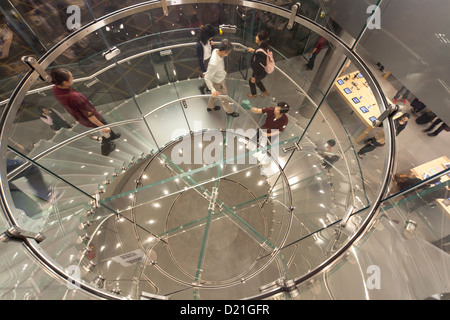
column 77, row 104
column 276, row 120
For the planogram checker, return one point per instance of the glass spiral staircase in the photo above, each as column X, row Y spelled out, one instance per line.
column 157, row 218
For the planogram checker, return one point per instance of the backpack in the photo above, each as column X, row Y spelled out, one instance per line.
column 270, row 63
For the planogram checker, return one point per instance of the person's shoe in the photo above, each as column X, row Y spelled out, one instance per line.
column 433, row 134
column 202, row 89
column 252, row 95
column 115, row 136
column 395, row 101
column 215, row 108
column 233, row 114
column 265, row 94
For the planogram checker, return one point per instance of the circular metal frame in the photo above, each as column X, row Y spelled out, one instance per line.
column 25, row 84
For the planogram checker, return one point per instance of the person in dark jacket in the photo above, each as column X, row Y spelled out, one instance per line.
column 258, row 61
column 204, row 49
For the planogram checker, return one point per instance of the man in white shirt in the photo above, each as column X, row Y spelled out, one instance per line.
column 215, row 78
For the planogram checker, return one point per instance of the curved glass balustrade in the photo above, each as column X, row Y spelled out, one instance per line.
column 140, row 223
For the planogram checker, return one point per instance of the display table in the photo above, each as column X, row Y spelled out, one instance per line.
column 355, row 91
column 431, row 168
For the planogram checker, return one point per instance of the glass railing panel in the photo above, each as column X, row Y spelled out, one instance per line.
column 43, row 201
column 158, row 120
column 421, row 211
column 312, row 248
column 63, row 214
column 34, row 124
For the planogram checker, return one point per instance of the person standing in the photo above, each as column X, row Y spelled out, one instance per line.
column 79, row 106
column 258, row 62
column 204, row 49
column 215, row 78
column 54, row 119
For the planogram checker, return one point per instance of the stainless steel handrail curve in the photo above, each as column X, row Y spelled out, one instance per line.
column 32, row 76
